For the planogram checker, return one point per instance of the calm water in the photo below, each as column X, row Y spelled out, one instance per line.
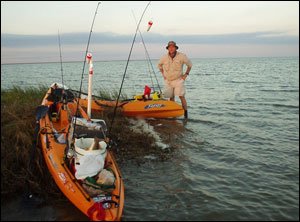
column 239, row 152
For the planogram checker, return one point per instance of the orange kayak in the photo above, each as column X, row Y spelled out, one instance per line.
column 152, row 109
column 107, row 206
column 140, row 108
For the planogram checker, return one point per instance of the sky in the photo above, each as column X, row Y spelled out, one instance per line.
column 204, row 29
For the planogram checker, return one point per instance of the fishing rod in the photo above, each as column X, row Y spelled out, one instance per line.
column 137, row 28
column 86, row 52
column 148, row 58
column 61, row 66
column 41, row 112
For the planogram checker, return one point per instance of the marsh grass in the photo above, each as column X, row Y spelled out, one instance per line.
column 18, row 173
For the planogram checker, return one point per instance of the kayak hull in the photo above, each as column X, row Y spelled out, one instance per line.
column 152, row 109
column 54, row 153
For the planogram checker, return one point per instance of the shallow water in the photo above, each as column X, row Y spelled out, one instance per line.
column 237, row 156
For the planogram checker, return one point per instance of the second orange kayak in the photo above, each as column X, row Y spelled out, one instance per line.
column 140, row 108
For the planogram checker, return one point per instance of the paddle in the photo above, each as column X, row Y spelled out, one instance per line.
column 97, row 97
column 41, row 112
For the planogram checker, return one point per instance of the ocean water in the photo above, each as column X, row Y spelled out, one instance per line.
column 238, row 155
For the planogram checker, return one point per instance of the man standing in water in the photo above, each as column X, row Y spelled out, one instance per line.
column 171, row 67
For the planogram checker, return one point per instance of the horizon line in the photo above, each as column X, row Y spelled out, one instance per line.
column 119, row 60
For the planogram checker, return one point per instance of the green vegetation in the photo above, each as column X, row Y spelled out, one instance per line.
column 18, row 174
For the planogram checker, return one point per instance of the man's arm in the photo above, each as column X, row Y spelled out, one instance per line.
column 188, row 70
column 189, row 66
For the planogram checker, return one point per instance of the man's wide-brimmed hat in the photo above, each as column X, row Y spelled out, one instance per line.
column 171, row 43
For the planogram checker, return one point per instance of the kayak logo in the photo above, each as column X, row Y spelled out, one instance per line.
column 150, row 106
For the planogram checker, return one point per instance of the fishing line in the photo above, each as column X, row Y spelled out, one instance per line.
column 87, row 48
column 148, row 58
column 137, row 28
column 149, row 69
column 61, row 66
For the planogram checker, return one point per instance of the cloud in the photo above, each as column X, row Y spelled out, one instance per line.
column 111, row 46
column 268, row 37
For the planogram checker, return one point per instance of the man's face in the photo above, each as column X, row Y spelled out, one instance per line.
column 172, row 49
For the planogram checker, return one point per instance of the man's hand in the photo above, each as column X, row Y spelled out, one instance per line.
column 184, row 76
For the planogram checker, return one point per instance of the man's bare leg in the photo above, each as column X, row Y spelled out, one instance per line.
column 184, row 106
